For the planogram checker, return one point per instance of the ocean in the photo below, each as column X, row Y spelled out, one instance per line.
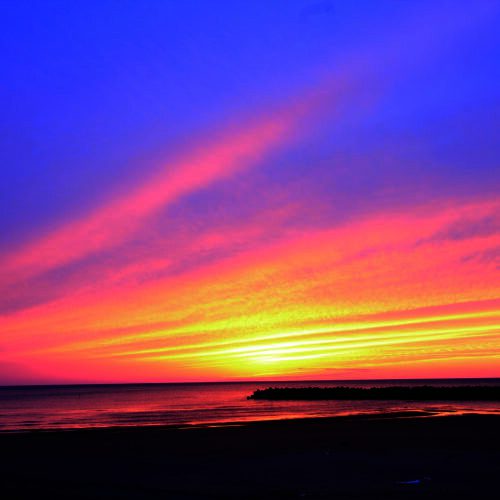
column 210, row 404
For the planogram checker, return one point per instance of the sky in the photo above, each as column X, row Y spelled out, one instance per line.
column 233, row 190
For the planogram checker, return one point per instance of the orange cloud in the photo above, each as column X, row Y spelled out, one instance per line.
column 360, row 296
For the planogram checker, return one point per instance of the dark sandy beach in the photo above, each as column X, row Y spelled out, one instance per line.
column 343, row 457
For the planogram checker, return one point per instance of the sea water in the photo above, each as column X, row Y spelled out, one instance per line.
column 92, row 406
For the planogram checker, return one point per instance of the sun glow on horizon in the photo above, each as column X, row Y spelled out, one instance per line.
column 221, row 321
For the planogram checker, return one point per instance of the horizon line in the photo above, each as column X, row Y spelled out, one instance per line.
column 93, row 384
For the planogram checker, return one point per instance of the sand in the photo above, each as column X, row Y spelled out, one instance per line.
column 343, row 457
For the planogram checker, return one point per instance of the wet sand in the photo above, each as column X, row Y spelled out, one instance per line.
column 343, row 457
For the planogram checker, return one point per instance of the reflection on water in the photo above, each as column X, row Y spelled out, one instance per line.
column 70, row 407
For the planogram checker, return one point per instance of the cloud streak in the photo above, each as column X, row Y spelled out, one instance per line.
column 112, row 223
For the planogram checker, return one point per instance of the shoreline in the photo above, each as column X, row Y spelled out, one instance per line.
column 329, row 457
column 417, row 414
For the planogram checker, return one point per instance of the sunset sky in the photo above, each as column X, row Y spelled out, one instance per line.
column 231, row 190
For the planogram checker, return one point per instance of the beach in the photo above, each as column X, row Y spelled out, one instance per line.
column 403, row 455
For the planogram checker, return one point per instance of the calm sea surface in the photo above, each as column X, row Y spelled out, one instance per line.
column 85, row 406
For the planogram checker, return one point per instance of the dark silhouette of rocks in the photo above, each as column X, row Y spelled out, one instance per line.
column 414, row 393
